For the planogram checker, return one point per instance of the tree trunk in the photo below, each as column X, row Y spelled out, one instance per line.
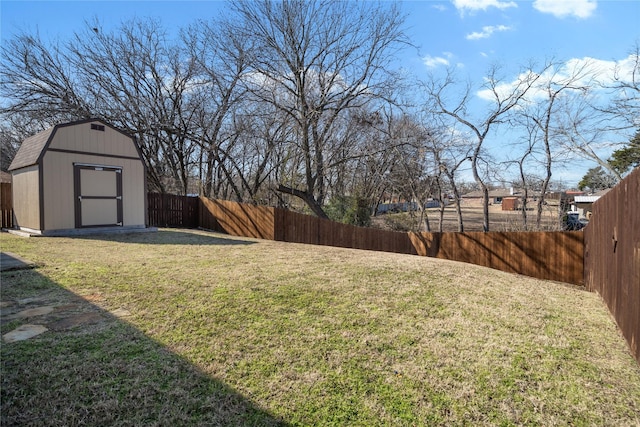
column 307, row 198
column 485, row 207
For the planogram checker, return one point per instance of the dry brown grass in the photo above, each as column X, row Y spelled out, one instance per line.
column 229, row 331
column 472, row 217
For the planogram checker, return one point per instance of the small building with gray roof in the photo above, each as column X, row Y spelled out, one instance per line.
column 79, row 176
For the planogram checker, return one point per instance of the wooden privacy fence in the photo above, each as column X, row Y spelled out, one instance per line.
column 6, row 205
column 545, row 255
column 612, row 256
column 553, row 255
column 298, row 228
column 169, row 210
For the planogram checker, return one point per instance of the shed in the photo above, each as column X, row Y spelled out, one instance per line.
column 78, row 177
column 510, row 203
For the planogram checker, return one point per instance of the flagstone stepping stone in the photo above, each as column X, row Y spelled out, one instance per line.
column 121, row 312
column 32, row 299
column 32, row 312
column 24, row 332
column 77, row 320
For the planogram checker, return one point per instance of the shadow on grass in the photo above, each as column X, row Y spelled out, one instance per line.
column 93, row 368
column 170, row 236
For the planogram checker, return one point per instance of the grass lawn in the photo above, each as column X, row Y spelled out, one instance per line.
column 193, row 328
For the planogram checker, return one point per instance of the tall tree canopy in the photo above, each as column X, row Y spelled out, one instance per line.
column 315, row 61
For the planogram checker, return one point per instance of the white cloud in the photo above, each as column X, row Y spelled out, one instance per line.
column 503, row 90
column 439, row 7
column 602, row 71
column 562, row 8
column 594, row 74
column 487, row 31
column 473, row 5
column 436, row 61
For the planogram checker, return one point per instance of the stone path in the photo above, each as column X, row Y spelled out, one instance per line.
column 51, row 311
column 24, row 332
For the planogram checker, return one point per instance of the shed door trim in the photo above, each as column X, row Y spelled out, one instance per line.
column 79, row 196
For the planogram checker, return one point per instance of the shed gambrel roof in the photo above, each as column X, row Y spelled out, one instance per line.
column 32, row 148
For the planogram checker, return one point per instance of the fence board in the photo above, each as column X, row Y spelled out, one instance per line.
column 612, row 256
column 6, row 205
column 170, row 210
column 237, row 219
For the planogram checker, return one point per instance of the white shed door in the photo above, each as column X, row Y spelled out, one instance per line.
column 98, row 194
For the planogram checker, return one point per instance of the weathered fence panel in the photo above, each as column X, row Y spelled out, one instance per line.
column 612, row 256
column 237, row 219
column 6, row 205
column 298, row 228
column 554, row 255
column 170, row 210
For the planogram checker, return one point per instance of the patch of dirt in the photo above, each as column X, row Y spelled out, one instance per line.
column 75, row 321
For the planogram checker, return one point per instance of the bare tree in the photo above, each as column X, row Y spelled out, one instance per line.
column 222, row 58
column 546, row 110
column 450, row 152
column 259, row 132
column 134, row 77
column 37, row 81
column 502, row 99
column 625, row 88
column 524, row 181
column 140, row 80
column 585, row 131
column 413, row 173
column 379, row 141
column 314, row 61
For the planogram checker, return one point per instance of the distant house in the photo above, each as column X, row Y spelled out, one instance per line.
column 496, row 196
column 583, row 204
column 79, row 175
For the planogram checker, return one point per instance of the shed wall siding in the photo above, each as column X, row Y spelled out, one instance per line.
column 82, row 138
column 59, row 187
column 26, row 197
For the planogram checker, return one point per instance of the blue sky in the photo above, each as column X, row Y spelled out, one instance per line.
column 473, row 33
column 467, row 34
